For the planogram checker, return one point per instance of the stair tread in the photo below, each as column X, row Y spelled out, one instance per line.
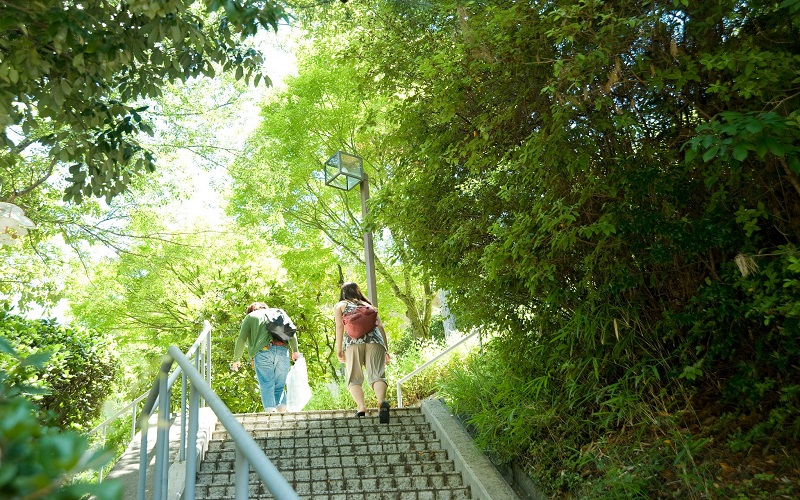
column 322, row 491
column 330, row 431
column 330, row 455
column 347, row 480
column 393, row 469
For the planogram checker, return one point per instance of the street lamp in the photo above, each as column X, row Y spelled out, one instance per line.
column 13, row 224
column 344, row 171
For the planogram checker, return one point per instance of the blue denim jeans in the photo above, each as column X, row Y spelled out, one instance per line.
column 272, row 367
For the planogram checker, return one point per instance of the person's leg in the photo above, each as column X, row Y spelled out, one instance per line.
column 282, row 408
column 376, row 375
column 282, row 366
column 380, row 388
column 357, row 392
column 376, row 370
column 353, row 359
column 265, row 373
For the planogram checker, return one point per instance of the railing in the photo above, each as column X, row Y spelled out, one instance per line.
column 247, row 451
column 201, row 351
column 430, row 362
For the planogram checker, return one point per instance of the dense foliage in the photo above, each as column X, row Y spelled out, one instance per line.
column 74, row 75
column 37, row 460
column 76, row 377
column 279, row 183
column 615, row 186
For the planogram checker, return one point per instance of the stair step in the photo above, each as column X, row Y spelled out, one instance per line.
column 332, row 491
column 345, row 444
column 369, row 422
column 311, row 418
column 285, row 463
column 332, row 455
column 331, row 429
column 347, row 479
column 209, row 475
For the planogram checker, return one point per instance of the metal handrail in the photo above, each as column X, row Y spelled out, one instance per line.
column 247, row 451
column 203, row 339
column 430, row 362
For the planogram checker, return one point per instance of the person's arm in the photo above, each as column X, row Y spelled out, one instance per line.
column 241, row 341
column 379, row 324
column 337, row 315
column 294, row 347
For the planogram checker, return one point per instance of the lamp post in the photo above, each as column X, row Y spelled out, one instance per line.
column 344, row 171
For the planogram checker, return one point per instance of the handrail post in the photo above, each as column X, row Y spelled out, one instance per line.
column 208, row 355
column 105, row 439
column 399, row 395
column 194, row 424
column 201, row 345
column 182, row 448
column 242, row 475
column 133, row 424
column 162, row 441
column 142, row 460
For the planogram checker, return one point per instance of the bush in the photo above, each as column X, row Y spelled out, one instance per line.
column 76, row 378
column 39, row 461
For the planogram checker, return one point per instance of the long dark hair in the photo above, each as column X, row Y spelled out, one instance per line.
column 351, row 293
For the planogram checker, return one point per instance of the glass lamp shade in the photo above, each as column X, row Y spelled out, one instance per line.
column 13, row 224
column 9, row 209
column 344, row 171
column 8, row 239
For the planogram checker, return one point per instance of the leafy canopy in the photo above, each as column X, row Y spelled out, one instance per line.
column 70, row 71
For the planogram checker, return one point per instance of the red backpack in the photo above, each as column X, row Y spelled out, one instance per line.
column 360, row 321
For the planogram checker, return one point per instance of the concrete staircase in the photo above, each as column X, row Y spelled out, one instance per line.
column 331, row 455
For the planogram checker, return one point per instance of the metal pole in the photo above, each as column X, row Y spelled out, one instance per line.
column 194, row 424
column 430, row 362
column 133, row 424
column 399, row 394
column 142, row 460
column 182, row 447
column 162, row 442
column 161, row 436
column 369, row 253
column 208, row 357
column 105, row 438
column 242, row 475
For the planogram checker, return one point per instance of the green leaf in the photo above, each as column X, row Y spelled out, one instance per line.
column 710, row 153
column 794, row 164
column 6, row 347
column 37, row 359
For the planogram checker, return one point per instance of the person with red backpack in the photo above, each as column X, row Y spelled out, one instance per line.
column 361, row 342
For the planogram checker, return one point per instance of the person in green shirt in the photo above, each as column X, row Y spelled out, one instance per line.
column 268, row 355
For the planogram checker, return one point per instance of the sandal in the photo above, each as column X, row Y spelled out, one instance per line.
column 360, row 414
column 383, row 413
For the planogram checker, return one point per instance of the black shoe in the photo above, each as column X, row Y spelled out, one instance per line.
column 383, row 413
column 360, row 414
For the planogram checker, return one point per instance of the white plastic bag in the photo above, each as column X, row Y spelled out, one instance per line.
column 298, row 392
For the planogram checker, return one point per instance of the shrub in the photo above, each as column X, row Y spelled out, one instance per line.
column 39, row 461
column 77, row 376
